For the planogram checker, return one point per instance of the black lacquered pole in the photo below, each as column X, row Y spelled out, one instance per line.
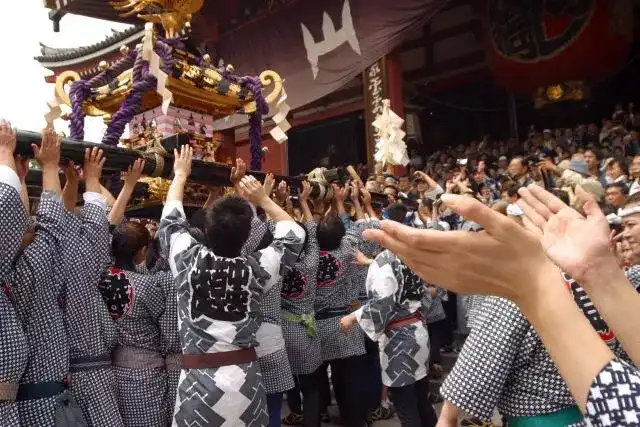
column 207, row 173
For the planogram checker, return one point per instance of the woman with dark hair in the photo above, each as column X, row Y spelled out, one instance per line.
column 136, row 303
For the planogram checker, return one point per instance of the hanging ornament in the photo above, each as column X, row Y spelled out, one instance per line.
column 390, row 146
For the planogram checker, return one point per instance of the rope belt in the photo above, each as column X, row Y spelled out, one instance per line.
column 174, row 362
column 137, row 358
column 89, row 363
column 8, row 391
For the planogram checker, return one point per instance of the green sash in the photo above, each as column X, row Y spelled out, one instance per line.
column 562, row 418
column 308, row 321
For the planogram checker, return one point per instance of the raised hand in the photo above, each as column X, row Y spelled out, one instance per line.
column 306, row 191
column 238, row 171
column 70, row 173
column 48, row 153
column 252, row 190
column 282, row 193
column 366, row 196
column 7, row 138
column 269, row 183
column 133, row 173
column 355, row 193
column 182, row 161
column 488, row 262
column 340, row 194
column 93, row 163
column 574, row 242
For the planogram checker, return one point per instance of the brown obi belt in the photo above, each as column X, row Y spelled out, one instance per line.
column 174, row 362
column 8, row 392
column 137, row 358
column 405, row 321
column 216, row 360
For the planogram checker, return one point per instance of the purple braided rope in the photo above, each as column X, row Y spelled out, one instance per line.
column 131, row 104
column 78, row 93
column 255, row 122
column 81, row 90
column 143, row 81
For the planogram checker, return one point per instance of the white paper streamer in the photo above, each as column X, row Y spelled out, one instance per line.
column 390, row 147
column 54, row 112
column 148, row 54
column 279, row 132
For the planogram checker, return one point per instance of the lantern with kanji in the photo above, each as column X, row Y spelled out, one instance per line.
column 557, row 48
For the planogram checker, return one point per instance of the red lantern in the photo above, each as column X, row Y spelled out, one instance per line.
column 536, row 43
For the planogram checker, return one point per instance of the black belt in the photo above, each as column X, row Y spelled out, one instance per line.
column 89, row 363
column 328, row 313
column 33, row 391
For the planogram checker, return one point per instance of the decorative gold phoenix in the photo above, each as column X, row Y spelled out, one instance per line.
column 174, row 15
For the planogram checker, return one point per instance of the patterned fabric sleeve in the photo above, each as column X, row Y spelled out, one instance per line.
column 353, row 235
column 173, row 232
column 374, row 316
column 155, row 295
column 37, row 260
column 13, row 222
column 283, row 252
column 312, row 239
column 614, row 396
column 258, row 230
column 633, row 275
column 481, row 371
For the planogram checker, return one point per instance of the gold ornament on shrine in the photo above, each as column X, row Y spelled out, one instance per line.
column 175, row 16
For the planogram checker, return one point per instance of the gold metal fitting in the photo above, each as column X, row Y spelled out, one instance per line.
column 230, row 68
column 103, row 65
column 124, row 50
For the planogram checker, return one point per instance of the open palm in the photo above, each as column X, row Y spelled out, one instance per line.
column 570, row 239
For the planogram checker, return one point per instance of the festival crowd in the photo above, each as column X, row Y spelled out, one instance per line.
column 209, row 320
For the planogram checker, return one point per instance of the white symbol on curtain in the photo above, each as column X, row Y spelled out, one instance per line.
column 332, row 38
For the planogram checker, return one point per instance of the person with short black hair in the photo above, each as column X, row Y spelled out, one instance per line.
column 592, row 158
column 337, row 295
column 615, row 194
column 219, row 294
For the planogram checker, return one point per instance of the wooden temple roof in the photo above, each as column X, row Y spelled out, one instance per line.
column 53, row 57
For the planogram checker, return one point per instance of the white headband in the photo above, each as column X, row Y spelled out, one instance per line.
column 628, row 211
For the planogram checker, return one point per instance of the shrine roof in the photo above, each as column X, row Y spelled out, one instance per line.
column 57, row 57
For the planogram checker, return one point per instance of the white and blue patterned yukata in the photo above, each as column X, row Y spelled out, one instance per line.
column 337, row 292
column 395, row 292
column 14, row 221
column 504, row 363
column 218, row 304
column 297, row 298
column 92, row 333
column 136, row 302
column 37, row 285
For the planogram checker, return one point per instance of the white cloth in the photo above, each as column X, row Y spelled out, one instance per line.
column 270, row 339
column 95, row 199
column 10, row 177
